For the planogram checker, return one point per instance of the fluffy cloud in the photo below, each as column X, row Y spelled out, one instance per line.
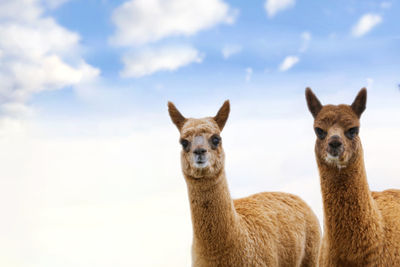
column 26, row 10
column 274, row 6
column 288, row 63
column 230, row 50
column 20, row 10
column 148, row 61
column 34, row 49
column 365, row 24
column 142, row 21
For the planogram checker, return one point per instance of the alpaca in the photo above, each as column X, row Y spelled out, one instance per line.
column 265, row 229
column 361, row 228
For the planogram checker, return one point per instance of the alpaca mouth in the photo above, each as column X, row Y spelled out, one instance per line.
column 330, row 157
column 335, row 160
column 334, row 152
column 201, row 163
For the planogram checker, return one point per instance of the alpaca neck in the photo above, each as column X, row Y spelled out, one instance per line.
column 349, row 210
column 214, row 217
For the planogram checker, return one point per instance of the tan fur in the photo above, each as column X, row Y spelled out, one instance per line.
column 265, row 229
column 361, row 228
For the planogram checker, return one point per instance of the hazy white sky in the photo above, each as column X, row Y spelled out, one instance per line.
column 122, row 201
column 90, row 160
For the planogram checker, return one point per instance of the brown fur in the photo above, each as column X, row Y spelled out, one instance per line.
column 361, row 228
column 265, row 229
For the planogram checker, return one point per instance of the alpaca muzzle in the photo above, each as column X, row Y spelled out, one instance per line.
column 200, row 157
column 335, row 146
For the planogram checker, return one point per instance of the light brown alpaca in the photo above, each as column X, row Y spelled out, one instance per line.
column 361, row 228
column 266, row 229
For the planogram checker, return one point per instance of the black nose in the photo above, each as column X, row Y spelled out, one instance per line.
column 335, row 142
column 199, row 151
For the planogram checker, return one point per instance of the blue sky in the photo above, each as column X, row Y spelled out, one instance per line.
column 90, row 159
column 260, row 43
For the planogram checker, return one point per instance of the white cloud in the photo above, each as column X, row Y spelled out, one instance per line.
column 274, row 6
column 41, row 37
column 305, row 38
column 365, row 24
column 16, row 108
column 249, row 74
column 34, row 52
column 230, row 50
column 20, row 10
column 148, row 61
column 288, row 63
column 143, row 21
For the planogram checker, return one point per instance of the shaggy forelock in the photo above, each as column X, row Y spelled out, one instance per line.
column 341, row 114
column 199, row 126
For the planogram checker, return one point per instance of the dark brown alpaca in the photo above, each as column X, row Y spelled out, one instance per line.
column 361, row 228
column 265, row 229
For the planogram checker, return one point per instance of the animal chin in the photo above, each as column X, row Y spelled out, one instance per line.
column 335, row 161
column 199, row 169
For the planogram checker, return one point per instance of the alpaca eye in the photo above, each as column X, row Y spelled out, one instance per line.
column 352, row 132
column 320, row 133
column 215, row 140
column 184, row 143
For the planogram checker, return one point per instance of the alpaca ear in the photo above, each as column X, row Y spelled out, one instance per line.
column 222, row 115
column 312, row 102
column 359, row 104
column 176, row 116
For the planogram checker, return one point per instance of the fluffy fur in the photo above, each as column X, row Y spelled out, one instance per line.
column 361, row 228
column 265, row 229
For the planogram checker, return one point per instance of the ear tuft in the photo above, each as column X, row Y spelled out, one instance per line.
column 359, row 104
column 176, row 116
column 222, row 115
column 312, row 102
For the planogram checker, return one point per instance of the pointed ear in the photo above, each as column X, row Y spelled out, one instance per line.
column 176, row 116
column 312, row 102
column 360, row 103
column 222, row 115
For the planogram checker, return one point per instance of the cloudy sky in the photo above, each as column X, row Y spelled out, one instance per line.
column 90, row 160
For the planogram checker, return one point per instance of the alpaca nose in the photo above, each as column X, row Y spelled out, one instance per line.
column 335, row 142
column 199, row 151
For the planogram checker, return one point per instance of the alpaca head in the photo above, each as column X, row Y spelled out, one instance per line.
column 202, row 155
column 336, row 127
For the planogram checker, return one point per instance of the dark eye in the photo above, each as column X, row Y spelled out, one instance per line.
column 215, row 140
column 185, row 143
column 320, row 133
column 352, row 132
